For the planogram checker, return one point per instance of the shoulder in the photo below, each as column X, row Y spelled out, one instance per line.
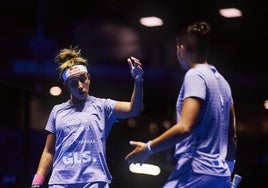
column 193, row 72
column 101, row 101
column 61, row 105
column 202, row 70
column 93, row 99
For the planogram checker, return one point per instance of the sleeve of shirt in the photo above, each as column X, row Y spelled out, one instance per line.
column 109, row 109
column 50, row 126
column 194, row 85
column 110, row 118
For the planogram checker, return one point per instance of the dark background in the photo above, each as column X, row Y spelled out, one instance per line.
column 108, row 31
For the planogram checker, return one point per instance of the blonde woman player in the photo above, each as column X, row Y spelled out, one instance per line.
column 77, row 129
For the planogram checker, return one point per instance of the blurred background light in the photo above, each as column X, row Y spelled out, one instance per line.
column 55, row 91
column 265, row 104
column 151, row 21
column 230, row 12
column 148, row 169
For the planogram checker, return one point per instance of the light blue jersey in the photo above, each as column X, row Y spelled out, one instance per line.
column 81, row 132
column 206, row 148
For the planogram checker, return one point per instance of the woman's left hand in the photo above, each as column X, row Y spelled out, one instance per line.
column 135, row 68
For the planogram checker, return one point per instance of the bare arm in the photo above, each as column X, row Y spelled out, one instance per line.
column 232, row 137
column 133, row 108
column 190, row 110
column 47, row 156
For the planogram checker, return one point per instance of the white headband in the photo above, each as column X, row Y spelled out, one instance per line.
column 73, row 70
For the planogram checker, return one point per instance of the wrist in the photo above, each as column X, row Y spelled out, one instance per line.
column 148, row 147
column 38, row 179
column 139, row 81
column 36, row 186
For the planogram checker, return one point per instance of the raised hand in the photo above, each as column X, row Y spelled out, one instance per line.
column 135, row 68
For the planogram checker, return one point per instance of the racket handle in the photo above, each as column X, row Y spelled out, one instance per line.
column 236, row 180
